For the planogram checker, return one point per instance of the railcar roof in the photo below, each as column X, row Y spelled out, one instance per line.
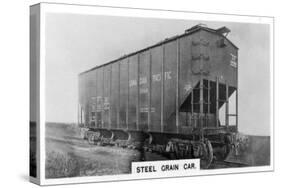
column 190, row 31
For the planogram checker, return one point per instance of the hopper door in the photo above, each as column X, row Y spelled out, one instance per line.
column 208, row 106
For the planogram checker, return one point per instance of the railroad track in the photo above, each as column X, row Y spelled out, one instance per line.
column 225, row 164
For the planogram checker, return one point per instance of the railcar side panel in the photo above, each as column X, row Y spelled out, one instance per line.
column 92, row 98
column 123, row 98
column 170, row 86
column 114, row 99
column 143, row 89
column 156, row 94
column 88, row 99
column 99, row 97
column 106, row 95
column 185, row 80
column 133, row 77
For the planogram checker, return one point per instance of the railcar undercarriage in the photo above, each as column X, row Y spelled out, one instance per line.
column 172, row 146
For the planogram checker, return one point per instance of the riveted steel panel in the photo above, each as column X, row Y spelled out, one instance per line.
column 114, row 99
column 133, row 74
column 144, row 89
column 222, row 59
column 123, row 93
column 99, row 97
column 156, row 72
column 106, row 95
column 185, row 78
column 170, row 83
column 89, row 98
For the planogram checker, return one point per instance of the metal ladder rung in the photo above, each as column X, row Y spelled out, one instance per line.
column 196, row 88
column 199, row 103
column 232, row 114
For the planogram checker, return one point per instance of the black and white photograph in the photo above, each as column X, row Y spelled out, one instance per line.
column 133, row 93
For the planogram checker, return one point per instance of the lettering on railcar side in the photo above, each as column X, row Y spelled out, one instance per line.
column 155, row 78
column 233, row 61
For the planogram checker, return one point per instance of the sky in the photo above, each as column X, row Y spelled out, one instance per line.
column 75, row 43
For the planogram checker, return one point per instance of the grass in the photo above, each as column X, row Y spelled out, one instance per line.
column 60, row 165
column 68, row 155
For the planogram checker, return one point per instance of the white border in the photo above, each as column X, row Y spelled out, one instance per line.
column 42, row 92
column 148, row 13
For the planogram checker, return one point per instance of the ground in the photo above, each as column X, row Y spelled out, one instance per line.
column 68, row 155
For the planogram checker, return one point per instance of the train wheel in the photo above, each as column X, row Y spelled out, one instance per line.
column 208, row 155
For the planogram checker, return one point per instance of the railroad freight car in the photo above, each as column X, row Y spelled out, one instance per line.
column 172, row 97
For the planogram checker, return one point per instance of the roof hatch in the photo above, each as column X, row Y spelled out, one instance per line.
column 223, row 31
